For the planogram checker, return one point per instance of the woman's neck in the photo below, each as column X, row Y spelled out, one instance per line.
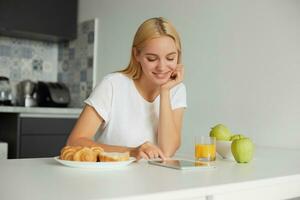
column 147, row 90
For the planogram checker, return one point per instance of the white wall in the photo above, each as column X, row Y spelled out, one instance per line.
column 242, row 61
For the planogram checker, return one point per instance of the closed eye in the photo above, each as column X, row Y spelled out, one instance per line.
column 170, row 59
column 151, row 59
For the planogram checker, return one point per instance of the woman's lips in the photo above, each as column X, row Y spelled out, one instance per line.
column 161, row 75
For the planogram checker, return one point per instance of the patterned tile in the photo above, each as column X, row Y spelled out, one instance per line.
column 83, row 89
column 90, row 51
column 65, row 65
column 84, row 28
column 26, row 53
column 4, row 71
column 47, row 67
column 4, row 62
column 59, row 77
column 15, row 75
column 5, row 50
column 75, row 64
column 89, row 75
column 37, row 65
column 90, row 62
column 71, row 53
column 83, row 75
column 28, row 59
column 60, row 52
column 91, row 37
column 69, row 62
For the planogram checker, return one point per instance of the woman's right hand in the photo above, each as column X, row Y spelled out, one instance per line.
column 148, row 151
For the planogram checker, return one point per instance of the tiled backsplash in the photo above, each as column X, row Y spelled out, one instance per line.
column 28, row 59
column 71, row 63
column 75, row 66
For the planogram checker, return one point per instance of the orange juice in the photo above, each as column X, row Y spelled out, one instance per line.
column 205, row 152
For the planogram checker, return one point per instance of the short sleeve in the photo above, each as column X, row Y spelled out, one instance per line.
column 178, row 97
column 101, row 98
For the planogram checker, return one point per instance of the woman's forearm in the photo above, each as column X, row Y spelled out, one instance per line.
column 88, row 123
column 107, row 148
column 168, row 133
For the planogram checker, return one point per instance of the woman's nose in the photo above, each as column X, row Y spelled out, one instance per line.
column 161, row 65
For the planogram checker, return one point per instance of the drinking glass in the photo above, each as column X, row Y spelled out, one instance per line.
column 205, row 148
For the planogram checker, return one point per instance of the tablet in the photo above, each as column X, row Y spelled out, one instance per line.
column 182, row 164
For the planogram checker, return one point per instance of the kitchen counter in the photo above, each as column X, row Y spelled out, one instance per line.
column 42, row 111
column 273, row 174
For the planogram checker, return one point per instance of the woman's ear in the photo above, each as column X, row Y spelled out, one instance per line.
column 135, row 54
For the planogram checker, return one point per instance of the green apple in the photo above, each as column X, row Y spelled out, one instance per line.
column 236, row 136
column 220, row 132
column 242, row 150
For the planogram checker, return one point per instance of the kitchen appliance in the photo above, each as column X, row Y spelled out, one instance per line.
column 52, row 94
column 5, row 91
column 26, row 93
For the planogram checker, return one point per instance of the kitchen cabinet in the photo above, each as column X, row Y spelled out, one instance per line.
column 48, row 20
column 33, row 136
column 43, row 137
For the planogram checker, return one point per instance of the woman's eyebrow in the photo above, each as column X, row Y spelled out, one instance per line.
column 171, row 53
column 153, row 54
column 150, row 54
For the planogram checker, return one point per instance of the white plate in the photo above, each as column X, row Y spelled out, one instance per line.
column 100, row 165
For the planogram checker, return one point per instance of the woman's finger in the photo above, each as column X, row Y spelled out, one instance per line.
column 142, row 155
column 150, row 154
column 179, row 66
column 161, row 155
column 180, row 74
column 156, row 154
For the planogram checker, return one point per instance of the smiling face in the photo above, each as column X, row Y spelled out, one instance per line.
column 158, row 59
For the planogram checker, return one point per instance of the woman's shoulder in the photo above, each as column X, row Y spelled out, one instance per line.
column 113, row 82
column 115, row 79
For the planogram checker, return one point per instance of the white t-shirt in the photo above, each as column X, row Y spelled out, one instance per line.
column 129, row 120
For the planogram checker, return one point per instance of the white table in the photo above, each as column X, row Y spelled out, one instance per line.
column 273, row 174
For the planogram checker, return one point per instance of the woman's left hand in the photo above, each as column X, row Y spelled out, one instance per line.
column 176, row 78
column 147, row 151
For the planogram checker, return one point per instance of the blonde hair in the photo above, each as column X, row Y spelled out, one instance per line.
column 150, row 29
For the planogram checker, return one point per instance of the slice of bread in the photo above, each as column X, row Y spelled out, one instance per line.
column 114, row 156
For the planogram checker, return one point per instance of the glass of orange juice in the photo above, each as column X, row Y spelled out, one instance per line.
column 205, row 148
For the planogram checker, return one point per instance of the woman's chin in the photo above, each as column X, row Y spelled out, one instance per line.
column 160, row 81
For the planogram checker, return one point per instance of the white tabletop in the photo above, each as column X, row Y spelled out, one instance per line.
column 44, row 178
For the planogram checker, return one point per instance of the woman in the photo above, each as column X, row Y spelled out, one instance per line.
column 139, row 109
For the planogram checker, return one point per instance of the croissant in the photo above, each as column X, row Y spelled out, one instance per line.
column 91, row 154
column 68, row 152
column 86, row 155
column 98, row 150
